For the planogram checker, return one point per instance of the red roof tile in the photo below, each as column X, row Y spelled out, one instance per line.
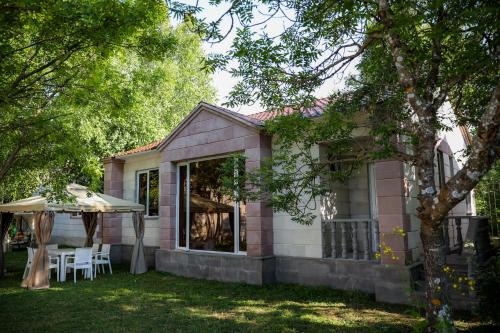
column 315, row 111
column 141, row 149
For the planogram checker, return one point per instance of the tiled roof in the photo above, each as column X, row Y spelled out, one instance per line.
column 141, row 149
column 255, row 119
column 314, row 111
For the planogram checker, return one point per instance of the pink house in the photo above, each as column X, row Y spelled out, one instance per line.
column 193, row 230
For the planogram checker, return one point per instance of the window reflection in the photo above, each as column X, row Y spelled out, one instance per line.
column 143, row 187
column 153, row 192
column 211, row 217
column 148, row 191
column 211, row 213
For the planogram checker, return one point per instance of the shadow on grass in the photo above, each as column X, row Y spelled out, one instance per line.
column 156, row 302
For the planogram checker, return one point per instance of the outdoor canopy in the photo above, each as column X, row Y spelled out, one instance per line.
column 86, row 201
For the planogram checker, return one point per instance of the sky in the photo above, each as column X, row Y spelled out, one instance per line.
column 223, row 81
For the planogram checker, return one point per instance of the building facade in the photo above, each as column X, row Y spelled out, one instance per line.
column 194, row 230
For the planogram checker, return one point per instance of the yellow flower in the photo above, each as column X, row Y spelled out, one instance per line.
column 436, row 301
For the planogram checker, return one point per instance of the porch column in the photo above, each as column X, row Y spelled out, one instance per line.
column 168, row 191
column 391, row 186
column 259, row 215
column 113, row 185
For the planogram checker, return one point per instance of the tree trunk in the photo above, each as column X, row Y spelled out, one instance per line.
column 438, row 311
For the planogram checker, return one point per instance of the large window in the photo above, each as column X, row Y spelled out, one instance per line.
column 208, row 219
column 147, row 190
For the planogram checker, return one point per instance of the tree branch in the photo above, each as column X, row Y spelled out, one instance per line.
column 61, row 58
column 7, row 165
column 406, row 79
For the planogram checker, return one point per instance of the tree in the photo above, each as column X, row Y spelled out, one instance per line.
column 85, row 79
column 416, row 56
column 128, row 101
column 487, row 195
column 45, row 46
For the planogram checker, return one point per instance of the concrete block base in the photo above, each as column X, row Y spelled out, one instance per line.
column 394, row 284
column 333, row 273
column 390, row 284
column 216, row 266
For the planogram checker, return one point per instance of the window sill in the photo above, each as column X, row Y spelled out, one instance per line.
column 238, row 254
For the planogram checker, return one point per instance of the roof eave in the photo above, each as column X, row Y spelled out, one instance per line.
column 138, row 154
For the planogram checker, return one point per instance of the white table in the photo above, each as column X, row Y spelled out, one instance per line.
column 62, row 254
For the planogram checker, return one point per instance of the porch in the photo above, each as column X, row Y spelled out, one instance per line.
column 349, row 223
column 355, row 239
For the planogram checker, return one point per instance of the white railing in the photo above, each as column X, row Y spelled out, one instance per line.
column 350, row 238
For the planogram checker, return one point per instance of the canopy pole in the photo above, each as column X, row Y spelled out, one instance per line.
column 138, row 262
column 102, row 227
column 38, row 276
column 89, row 220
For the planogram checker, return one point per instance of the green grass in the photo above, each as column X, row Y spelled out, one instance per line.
column 158, row 302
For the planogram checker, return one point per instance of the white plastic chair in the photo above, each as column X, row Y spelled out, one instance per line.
column 81, row 260
column 102, row 258
column 95, row 248
column 54, row 264
column 31, row 254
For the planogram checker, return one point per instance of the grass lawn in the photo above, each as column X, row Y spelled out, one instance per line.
column 158, row 302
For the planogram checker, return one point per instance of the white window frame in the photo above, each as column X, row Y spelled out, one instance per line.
column 236, row 212
column 137, row 174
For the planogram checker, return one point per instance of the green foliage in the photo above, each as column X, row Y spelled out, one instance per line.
column 135, row 101
column 82, row 80
column 487, row 195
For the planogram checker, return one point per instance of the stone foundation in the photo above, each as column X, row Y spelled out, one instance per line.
column 333, row 273
column 395, row 284
column 217, row 266
column 389, row 283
